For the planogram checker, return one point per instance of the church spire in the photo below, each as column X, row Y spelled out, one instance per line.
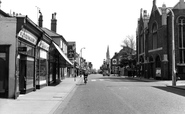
column 107, row 54
column 0, row 4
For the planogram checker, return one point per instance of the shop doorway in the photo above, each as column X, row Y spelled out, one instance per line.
column 22, row 73
column 26, row 74
column 151, row 67
column 4, row 55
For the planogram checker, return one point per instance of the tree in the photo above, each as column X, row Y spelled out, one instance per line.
column 128, row 55
column 129, row 42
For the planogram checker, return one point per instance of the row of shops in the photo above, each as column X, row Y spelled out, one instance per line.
column 30, row 58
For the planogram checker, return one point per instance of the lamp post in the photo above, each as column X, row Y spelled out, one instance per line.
column 80, row 58
column 173, row 51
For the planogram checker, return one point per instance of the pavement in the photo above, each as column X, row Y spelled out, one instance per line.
column 180, row 84
column 42, row 101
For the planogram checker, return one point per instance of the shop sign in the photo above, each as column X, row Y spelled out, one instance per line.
column 22, row 49
column 24, row 34
column 114, row 61
column 43, row 45
column 158, row 72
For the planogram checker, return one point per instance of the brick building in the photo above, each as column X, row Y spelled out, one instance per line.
column 154, row 41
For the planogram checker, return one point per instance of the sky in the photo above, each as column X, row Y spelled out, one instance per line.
column 93, row 24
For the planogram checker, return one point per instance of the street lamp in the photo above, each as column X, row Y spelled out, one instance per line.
column 173, row 51
column 80, row 58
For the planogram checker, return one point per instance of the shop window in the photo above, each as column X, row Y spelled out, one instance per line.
column 29, row 51
column 181, row 31
column 42, row 67
column 30, row 73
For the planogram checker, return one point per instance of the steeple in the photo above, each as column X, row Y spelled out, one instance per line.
column 107, row 54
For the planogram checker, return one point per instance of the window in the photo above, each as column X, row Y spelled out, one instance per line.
column 181, row 31
column 154, row 36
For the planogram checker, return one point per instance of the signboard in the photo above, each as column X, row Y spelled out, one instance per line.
column 28, row 36
column 158, row 72
column 114, row 61
column 22, row 49
column 44, row 45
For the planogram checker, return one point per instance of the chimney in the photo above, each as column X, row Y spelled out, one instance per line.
column 164, row 14
column 40, row 19
column 54, row 23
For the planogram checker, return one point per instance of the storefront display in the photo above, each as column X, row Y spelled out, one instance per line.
column 42, row 64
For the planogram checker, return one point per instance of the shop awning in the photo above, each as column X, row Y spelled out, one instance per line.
column 62, row 54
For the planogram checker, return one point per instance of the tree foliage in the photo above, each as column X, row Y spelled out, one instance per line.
column 129, row 42
column 128, row 56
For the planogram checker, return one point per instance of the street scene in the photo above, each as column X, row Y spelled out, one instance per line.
column 92, row 57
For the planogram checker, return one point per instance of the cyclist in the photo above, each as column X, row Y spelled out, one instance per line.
column 85, row 76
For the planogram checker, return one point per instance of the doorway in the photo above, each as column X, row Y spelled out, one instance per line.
column 4, row 55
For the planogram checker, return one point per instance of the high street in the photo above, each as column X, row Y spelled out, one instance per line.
column 121, row 95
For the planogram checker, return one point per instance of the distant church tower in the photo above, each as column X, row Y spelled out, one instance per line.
column 108, row 59
column 0, row 4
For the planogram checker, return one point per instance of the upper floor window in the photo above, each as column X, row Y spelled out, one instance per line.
column 154, row 36
column 181, row 38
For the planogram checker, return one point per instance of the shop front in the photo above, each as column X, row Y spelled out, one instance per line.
column 26, row 59
column 58, row 63
column 42, row 65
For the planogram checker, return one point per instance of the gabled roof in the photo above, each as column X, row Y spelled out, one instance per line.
column 179, row 5
column 51, row 33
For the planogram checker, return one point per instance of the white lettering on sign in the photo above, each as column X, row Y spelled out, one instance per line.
column 27, row 36
column 43, row 45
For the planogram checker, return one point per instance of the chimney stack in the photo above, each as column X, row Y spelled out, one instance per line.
column 54, row 23
column 40, row 19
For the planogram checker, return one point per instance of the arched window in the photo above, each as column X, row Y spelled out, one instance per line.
column 181, row 32
column 154, row 36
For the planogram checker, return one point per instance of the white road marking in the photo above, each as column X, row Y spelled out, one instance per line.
column 93, row 80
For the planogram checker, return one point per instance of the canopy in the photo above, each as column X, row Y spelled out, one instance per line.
column 63, row 55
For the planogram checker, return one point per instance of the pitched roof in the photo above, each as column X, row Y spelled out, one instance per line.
column 53, row 34
column 4, row 14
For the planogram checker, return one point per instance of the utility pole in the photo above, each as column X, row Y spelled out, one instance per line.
column 173, row 51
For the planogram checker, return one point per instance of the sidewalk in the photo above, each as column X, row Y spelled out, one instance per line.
column 42, row 101
column 180, row 84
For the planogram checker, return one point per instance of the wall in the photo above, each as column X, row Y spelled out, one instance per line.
column 8, row 36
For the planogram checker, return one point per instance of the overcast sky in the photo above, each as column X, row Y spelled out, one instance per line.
column 93, row 24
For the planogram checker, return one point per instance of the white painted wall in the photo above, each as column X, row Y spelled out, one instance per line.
column 8, row 36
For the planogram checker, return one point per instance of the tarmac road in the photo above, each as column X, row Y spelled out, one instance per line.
column 121, row 95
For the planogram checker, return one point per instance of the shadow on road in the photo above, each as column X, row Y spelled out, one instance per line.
column 171, row 90
column 119, row 79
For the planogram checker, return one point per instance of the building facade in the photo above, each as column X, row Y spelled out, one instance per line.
column 31, row 56
column 154, row 42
